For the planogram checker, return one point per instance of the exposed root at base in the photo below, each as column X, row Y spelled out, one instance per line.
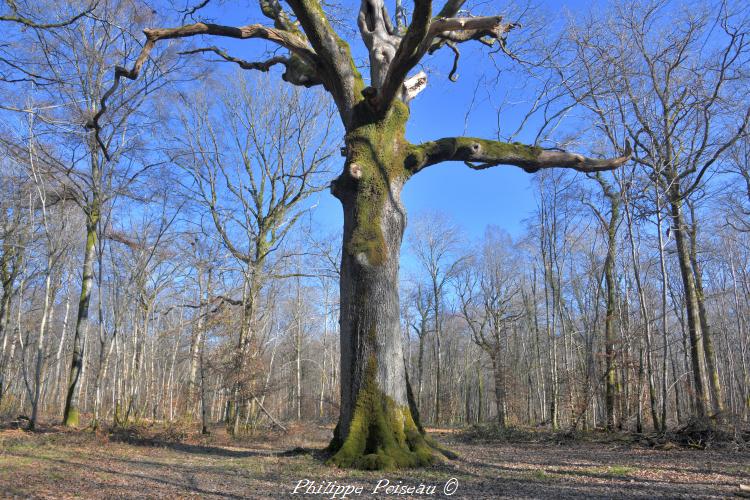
column 383, row 435
column 416, row 451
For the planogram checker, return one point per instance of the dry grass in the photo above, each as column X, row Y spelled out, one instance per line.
column 155, row 462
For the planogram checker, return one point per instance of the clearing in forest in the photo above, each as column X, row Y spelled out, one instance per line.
column 149, row 464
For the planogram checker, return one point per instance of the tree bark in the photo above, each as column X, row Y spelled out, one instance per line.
column 714, row 380
column 377, row 427
column 691, row 302
column 497, row 369
column 609, row 321
column 71, row 413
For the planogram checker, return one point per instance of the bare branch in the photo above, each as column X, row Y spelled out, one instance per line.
column 409, row 52
column 281, row 19
column 338, row 71
column 29, row 23
column 295, row 74
column 188, row 12
column 380, row 37
column 486, row 30
column 462, row 26
column 451, row 8
column 428, row 35
column 479, row 154
column 281, row 37
column 260, row 66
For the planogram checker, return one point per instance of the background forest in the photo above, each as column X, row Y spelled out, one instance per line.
column 182, row 264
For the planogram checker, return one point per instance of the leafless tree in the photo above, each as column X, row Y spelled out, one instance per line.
column 489, row 290
column 650, row 77
column 254, row 165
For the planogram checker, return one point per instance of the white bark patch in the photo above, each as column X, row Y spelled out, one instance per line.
column 355, row 171
column 362, row 259
column 414, row 85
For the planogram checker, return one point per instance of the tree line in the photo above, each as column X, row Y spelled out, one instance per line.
column 162, row 264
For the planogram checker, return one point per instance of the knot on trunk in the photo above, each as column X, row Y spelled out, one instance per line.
column 355, row 171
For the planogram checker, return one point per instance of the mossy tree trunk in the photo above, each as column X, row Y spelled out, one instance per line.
column 71, row 412
column 376, row 426
column 714, row 380
column 610, row 225
column 609, row 325
column 697, row 354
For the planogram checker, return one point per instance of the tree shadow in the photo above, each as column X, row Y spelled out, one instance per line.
column 189, row 485
column 318, row 454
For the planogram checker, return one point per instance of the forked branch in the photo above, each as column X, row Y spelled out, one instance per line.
column 410, row 51
column 429, row 36
column 337, row 67
column 30, row 23
column 288, row 40
column 297, row 72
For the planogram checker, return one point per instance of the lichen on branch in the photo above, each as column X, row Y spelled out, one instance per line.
column 469, row 149
column 483, row 153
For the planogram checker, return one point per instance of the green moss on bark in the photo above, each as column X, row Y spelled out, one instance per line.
column 382, row 434
column 71, row 418
column 497, row 149
column 467, row 149
column 316, row 8
column 376, row 154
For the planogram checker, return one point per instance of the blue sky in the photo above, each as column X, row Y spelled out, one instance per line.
column 500, row 196
column 474, row 199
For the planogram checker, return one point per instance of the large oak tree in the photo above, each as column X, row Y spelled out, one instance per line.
column 378, row 426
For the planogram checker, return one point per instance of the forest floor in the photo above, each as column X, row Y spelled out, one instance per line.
column 133, row 463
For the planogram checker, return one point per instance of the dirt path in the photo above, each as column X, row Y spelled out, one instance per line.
column 78, row 465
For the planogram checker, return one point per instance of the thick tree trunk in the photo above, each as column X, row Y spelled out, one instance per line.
column 712, row 368
column 70, row 415
column 691, row 304
column 665, row 338
column 378, row 426
column 609, row 320
column 497, row 370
